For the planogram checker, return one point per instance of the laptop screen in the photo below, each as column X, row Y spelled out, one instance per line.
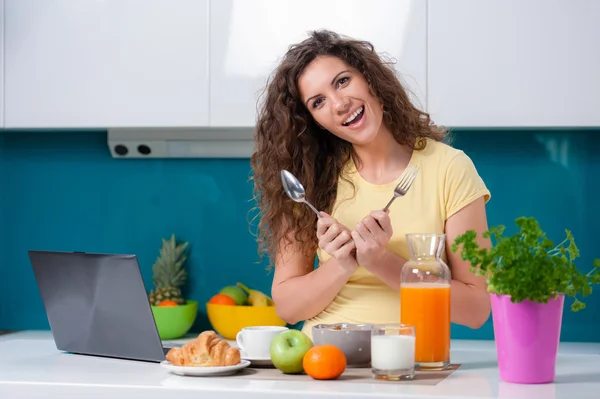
column 97, row 304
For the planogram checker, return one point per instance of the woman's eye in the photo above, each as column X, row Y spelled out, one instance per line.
column 343, row 80
column 317, row 102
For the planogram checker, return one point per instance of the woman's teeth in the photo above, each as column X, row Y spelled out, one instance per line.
column 353, row 116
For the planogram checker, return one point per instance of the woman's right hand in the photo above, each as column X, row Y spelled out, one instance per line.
column 336, row 239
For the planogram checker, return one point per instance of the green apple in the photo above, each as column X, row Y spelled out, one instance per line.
column 288, row 349
column 238, row 295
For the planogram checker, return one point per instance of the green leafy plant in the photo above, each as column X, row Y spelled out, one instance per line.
column 527, row 265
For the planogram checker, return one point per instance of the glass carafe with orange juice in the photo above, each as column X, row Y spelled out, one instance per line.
column 425, row 300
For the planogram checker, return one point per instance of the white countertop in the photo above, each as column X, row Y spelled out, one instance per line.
column 31, row 367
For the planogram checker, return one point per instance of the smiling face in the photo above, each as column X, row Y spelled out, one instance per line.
column 339, row 99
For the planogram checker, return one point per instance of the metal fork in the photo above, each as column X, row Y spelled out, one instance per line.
column 408, row 177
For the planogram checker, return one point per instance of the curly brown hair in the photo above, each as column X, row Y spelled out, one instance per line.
column 287, row 137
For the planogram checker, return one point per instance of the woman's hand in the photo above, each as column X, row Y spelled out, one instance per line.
column 371, row 237
column 336, row 239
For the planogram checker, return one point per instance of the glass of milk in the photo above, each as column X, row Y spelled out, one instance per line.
column 393, row 351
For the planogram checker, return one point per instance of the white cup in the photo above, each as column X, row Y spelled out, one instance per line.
column 255, row 342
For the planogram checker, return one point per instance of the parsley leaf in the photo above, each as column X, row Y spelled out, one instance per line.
column 527, row 265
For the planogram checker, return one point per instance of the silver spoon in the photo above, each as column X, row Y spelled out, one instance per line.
column 294, row 189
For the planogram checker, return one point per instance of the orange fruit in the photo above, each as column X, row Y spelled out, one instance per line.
column 167, row 302
column 222, row 299
column 324, row 362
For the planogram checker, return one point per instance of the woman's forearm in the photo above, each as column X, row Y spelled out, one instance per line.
column 388, row 270
column 302, row 297
column 470, row 304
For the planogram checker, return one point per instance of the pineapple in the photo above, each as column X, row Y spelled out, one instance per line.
column 168, row 273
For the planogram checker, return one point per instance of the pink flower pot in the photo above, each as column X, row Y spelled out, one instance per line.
column 527, row 336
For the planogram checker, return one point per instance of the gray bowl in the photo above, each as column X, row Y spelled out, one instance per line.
column 353, row 339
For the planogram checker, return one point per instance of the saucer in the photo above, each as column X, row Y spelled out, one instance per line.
column 205, row 371
column 266, row 361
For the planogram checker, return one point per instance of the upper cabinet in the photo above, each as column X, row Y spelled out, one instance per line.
column 205, row 63
column 514, row 62
column 112, row 63
column 1, row 64
column 248, row 38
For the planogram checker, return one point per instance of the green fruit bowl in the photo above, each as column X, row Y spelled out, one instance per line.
column 174, row 322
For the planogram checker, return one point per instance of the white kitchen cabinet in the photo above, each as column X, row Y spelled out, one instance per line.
column 117, row 63
column 247, row 38
column 502, row 63
column 1, row 64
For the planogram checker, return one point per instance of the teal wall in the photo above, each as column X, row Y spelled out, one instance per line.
column 63, row 191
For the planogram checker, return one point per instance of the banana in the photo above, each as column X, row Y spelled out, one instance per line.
column 255, row 297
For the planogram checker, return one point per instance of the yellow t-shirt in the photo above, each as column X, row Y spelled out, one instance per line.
column 447, row 181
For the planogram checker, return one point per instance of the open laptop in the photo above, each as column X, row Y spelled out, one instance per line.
column 97, row 304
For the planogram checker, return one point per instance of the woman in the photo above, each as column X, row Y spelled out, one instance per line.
column 337, row 117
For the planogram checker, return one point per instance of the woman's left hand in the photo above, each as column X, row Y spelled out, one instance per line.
column 371, row 238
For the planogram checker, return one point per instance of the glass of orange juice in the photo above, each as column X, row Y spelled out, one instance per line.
column 425, row 300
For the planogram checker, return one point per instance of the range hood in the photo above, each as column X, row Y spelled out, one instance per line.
column 181, row 142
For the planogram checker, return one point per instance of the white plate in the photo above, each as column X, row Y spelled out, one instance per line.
column 257, row 361
column 205, row 371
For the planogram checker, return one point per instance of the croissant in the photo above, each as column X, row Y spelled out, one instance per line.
column 207, row 350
